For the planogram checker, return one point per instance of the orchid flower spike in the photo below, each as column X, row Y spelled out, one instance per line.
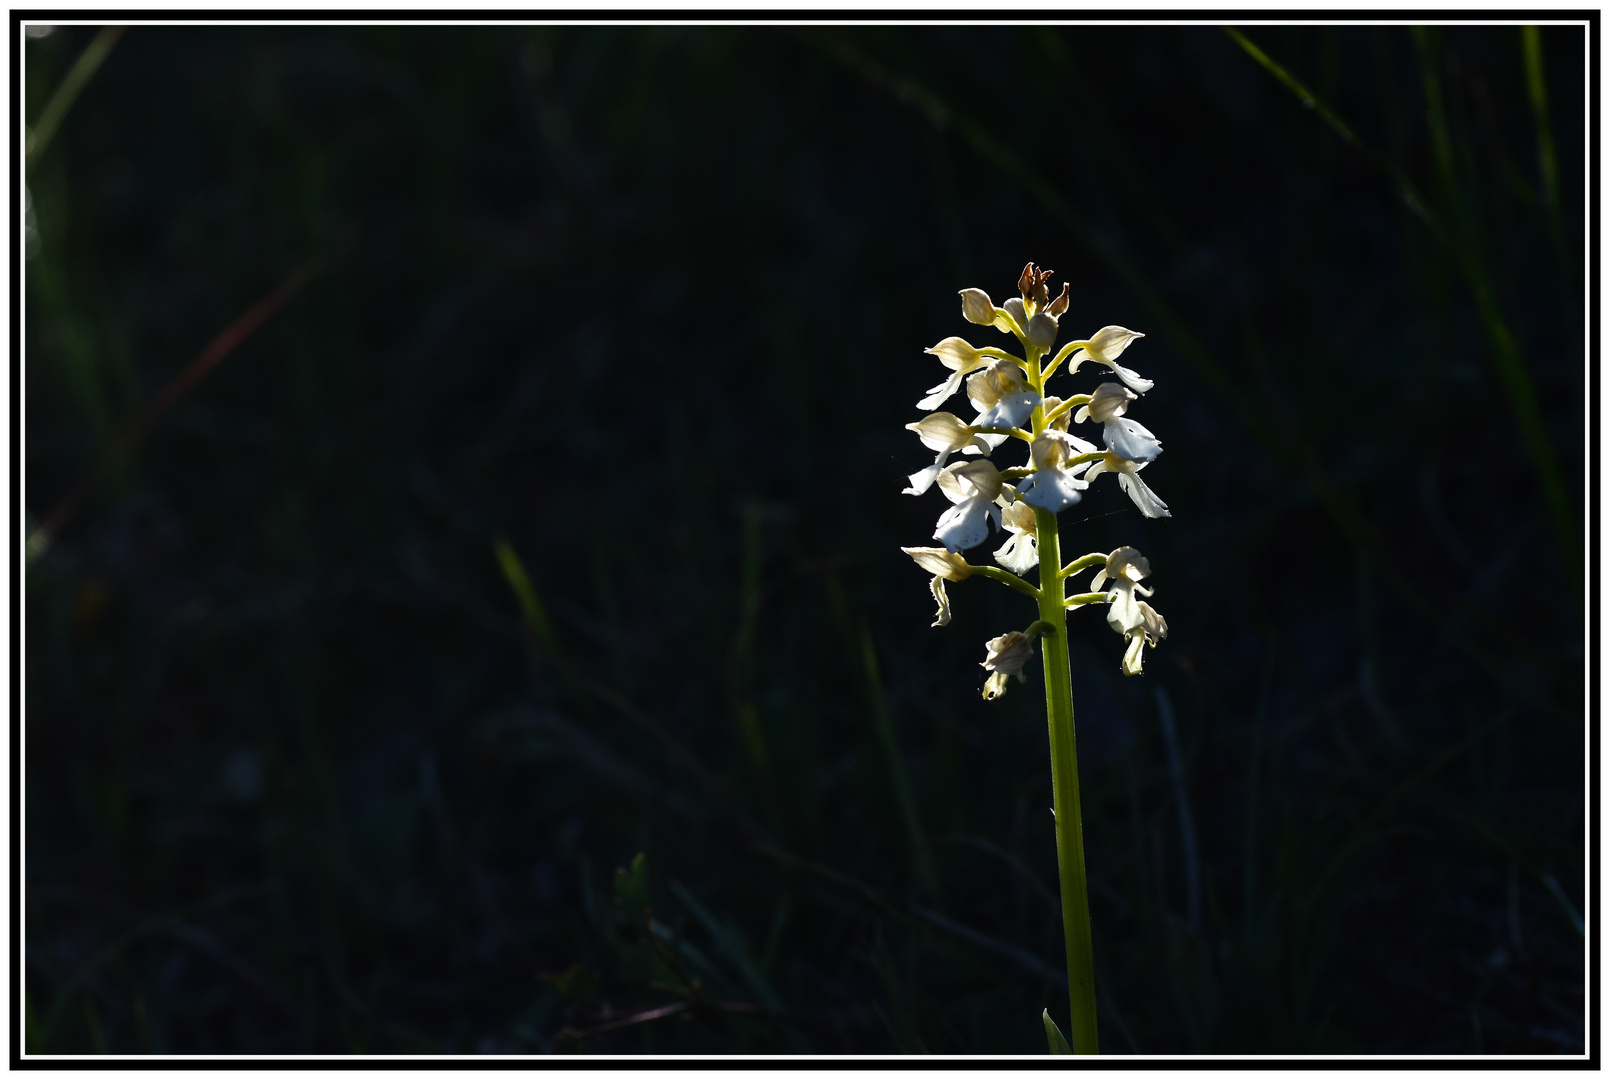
column 944, row 432
column 1129, row 479
column 1104, row 347
column 1123, row 437
column 1005, row 657
column 944, row 566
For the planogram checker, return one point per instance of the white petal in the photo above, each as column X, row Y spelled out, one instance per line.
column 1012, row 410
column 1131, row 379
column 938, row 394
column 1149, row 503
column 964, row 525
column 1019, row 554
column 922, row 481
column 1130, row 440
column 1052, row 489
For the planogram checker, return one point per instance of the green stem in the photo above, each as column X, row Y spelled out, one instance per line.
column 1065, row 774
column 1007, row 578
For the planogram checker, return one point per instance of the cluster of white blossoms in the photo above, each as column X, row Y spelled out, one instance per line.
column 1008, row 393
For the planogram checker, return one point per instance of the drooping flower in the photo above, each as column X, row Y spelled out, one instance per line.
column 1129, row 479
column 972, row 487
column 1002, row 397
column 1104, row 347
column 1126, row 567
column 1123, row 436
column 944, row 432
column 1148, row 631
column 1020, row 553
column 1055, row 485
column 961, row 358
column 944, row 566
column 1005, row 656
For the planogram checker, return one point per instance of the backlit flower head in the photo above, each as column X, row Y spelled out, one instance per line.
column 1001, row 396
column 1020, row 553
column 961, row 358
column 1055, row 484
column 1123, row 436
column 1129, row 479
column 944, row 432
column 1104, row 347
column 972, row 487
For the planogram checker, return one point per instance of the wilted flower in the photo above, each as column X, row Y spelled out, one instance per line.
column 1123, row 436
column 1021, row 552
column 1104, row 347
column 973, row 487
column 944, row 566
column 1130, row 481
column 961, row 358
column 1005, row 657
column 1055, row 485
column 944, row 432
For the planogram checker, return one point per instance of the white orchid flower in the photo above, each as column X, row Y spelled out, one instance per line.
column 1002, row 397
column 1055, row 485
column 1005, row 656
column 973, row 487
column 944, row 432
column 1104, row 347
column 944, row 566
column 1129, row 479
column 1021, row 552
column 1126, row 567
column 1123, row 436
column 961, row 358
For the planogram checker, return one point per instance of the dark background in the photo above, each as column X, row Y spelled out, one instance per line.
column 557, row 519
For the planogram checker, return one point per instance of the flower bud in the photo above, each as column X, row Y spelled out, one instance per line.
column 957, row 354
column 977, row 307
column 1042, row 331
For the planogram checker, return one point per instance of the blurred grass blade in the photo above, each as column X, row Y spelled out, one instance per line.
column 78, row 77
column 897, row 766
column 531, row 609
column 1517, row 381
column 1565, row 902
column 135, row 431
column 1053, row 1034
column 1536, row 89
column 731, row 946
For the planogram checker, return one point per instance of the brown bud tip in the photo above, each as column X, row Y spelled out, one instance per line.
column 1060, row 304
column 1032, row 286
